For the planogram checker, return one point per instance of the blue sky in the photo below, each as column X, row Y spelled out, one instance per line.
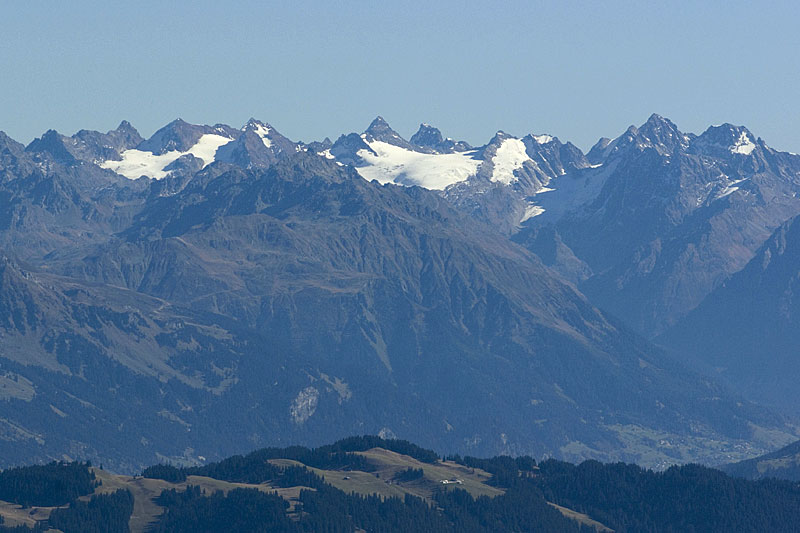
column 578, row 70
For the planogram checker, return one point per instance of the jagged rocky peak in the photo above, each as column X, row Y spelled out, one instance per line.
column 427, row 136
column 662, row 134
column 265, row 132
column 127, row 131
column 319, row 147
column 379, row 130
column 346, row 149
column 491, row 149
column 657, row 133
column 9, row 146
column 726, row 138
column 544, row 138
column 257, row 125
column 177, row 135
column 552, row 156
column 90, row 145
column 537, row 143
column 154, row 157
column 258, row 145
column 379, row 126
column 499, row 137
column 180, row 136
column 597, row 153
column 430, row 139
column 498, row 140
column 52, row 143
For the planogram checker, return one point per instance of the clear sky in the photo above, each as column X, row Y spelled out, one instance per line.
column 578, row 70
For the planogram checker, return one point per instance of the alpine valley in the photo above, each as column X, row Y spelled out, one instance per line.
column 212, row 290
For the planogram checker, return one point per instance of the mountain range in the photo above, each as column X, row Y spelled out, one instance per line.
column 213, row 289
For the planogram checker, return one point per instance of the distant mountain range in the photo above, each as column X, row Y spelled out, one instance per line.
column 213, row 289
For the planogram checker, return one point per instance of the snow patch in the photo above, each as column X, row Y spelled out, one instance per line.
column 304, row 405
column 743, row 145
column 393, row 164
column 531, row 211
column 565, row 193
column 137, row 163
column 509, row 157
column 726, row 191
column 730, row 188
column 543, row 139
column 263, row 132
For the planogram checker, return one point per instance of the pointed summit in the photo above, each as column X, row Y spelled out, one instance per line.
column 347, row 147
column 726, row 138
column 52, row 143
column 7, row 144
column 658, row 126
column 427, row 136
column 124, row 137
column 257, row 145
column 378, row 124
column 125, row 129
column 657, row 133
column 657, row 120
column 379, row 130
column 11, row 153
column 261, row 129
column 598, row 152
column 178, row 135
column 254, row 123
column 499, row 137
column 662, row 133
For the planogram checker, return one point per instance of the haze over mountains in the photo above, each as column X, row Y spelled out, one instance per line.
column 214, row 289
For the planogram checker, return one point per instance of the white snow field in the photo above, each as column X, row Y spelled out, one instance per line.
column 137, row 163
column 393, row 164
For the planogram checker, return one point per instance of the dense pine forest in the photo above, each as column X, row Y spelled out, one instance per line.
column 527, row 496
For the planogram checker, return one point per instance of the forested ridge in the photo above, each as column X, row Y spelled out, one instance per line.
column 622, row 497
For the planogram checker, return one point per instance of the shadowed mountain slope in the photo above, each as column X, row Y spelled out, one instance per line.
column 748, row 330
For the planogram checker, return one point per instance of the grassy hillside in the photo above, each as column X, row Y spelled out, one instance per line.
column 372, row 484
